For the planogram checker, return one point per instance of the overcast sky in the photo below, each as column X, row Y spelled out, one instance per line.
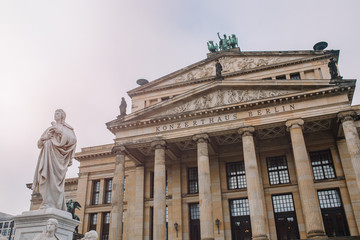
column 84, row 55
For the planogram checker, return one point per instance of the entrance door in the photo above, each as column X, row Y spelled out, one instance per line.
column 286, row 226
column 285, row 217
column 241, row 228
column 194, row 212
column 333, row 213
column 240, row 219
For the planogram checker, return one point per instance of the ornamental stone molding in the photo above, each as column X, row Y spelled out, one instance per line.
column 246, row 131
column 295, row 123
column 229, row 64
column 347, row 116
column 159, row 144
column 223, row 97
column 201, row 138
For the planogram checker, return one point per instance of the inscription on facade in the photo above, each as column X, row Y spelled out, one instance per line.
column 224, row 118
column 197, row 122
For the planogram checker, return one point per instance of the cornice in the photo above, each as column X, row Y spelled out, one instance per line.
column 332, row 89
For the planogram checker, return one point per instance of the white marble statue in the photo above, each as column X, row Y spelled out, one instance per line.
column 49, row 234
column 57, row 145
column 92, row 235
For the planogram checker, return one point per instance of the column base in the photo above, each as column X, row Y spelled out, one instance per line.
column 316, row 234
column 260, row 237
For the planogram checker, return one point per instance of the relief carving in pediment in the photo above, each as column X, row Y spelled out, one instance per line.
column 223, row 98
column 229, row 64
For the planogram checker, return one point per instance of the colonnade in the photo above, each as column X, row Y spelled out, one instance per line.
column 310, row 206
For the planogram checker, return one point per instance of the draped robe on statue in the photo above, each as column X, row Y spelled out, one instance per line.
column 55, row 157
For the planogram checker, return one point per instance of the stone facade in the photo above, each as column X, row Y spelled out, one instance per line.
column 270, row 150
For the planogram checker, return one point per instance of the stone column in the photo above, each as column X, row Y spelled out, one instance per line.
column 139, row 203
column 310, row 205
column 159, row 191
column 254, row 186
column 117, row 194
column 205, row 199
column 352, row 141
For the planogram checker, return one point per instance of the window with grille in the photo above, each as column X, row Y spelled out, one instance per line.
column 105, row 226
column 239, row 207
column 322, row 165
column 194, row 211
column 108, row 189
column 193, row 180
column 96, row 192
column 236, row 175
column 278, row 170
column 93, row 221
column 283, row 203
column 329, row 199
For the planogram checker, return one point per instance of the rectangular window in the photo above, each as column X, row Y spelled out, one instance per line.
column 151, row 184
column 239, row 207
column 6, row 225
column 236, row 175
column 193, row 180
column 93, row 221
column 285, row 217
column 333, row 213
column 281, row 77
column 322, row 165
column 105, row 226
column 108, row 190
column 96, row 192
column 278, row 170
column 295, row 76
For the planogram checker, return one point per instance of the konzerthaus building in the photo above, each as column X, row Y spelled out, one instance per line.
column 265, row 148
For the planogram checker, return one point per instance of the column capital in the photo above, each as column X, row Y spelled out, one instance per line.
column 246, row 131
column 347, row 116
column 159, row 144
column 119, row 150
column 294, row 123
column 200, row 138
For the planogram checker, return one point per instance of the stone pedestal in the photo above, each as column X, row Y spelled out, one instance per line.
column 30, row 224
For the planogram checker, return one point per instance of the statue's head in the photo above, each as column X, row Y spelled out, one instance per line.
column 52, row 225
column 91, row 235
column 60, row 115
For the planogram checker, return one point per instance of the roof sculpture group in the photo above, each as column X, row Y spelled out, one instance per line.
column 224, row 43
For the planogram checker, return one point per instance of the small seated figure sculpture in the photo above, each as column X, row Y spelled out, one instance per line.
column 92, row 235
column 51, row 228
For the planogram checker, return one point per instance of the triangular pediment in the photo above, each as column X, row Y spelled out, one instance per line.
column 233, row 64
column 223, row 94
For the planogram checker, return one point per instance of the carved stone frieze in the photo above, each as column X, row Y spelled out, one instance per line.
column 229, row 65
column 223, row 97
